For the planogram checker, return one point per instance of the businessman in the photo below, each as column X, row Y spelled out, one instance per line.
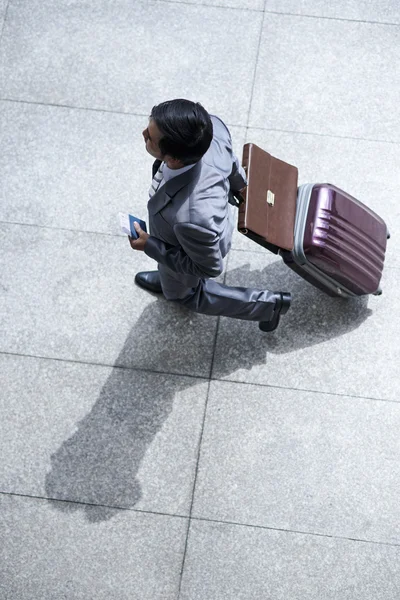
column 190, row 220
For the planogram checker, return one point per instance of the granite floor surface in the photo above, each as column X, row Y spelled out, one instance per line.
column 150, row 453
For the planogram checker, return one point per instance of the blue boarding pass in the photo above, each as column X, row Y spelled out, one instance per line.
column 126, row 223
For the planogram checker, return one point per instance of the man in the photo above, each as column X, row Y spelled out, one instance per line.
column 190, row 220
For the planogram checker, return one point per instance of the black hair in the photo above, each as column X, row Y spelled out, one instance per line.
column 186, row 129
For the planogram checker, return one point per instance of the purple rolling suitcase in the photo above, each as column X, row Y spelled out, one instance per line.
column 339, row 243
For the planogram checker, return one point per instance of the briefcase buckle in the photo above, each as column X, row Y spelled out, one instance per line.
column 270, row 198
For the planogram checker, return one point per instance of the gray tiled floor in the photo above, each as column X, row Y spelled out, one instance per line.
column 381, row 11
column 328, row 76
column 326, row 462
column 110, row 56
column 100, row 435
column 249, row 4
column 229, row 561
column 3, row 6
column 57, row 552
column 149, row 452
column 323, row 344
column 91, row 310
column 72, row 169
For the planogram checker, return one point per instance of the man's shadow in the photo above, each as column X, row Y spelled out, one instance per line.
column 99, row 463
column 314, row 317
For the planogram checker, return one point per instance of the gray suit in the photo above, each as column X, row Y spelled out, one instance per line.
column 191, row 226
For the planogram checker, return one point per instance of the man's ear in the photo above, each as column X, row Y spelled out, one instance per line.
column 173, row 163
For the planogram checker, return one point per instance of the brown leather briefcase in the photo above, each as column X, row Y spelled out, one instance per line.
column 267, row 207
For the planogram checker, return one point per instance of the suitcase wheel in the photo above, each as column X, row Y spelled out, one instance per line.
column 388, row 235
column 378, row 292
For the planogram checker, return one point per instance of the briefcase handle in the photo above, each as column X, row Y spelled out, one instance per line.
column 235, row 198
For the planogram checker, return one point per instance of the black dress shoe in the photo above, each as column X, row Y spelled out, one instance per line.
column 283, row 300
column 149, row 280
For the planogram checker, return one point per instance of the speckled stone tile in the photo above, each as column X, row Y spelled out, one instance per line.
column 72, row 169
column 72, row 295
column 51, row 554
column 3, row 6
column 322, row 343
column 247, row 563
column 328, row 77
column 384, row 11
column 119, row 56
column 242, row 4
column 302, row 461
column 112, row 437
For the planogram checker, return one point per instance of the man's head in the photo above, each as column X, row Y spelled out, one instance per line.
column 179, row 132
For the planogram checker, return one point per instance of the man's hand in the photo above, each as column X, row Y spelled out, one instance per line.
column 141, row 240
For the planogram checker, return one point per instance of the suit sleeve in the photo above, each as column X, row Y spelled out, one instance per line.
column 197, row 254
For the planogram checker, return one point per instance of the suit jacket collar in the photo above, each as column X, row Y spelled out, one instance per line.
column 167, row 191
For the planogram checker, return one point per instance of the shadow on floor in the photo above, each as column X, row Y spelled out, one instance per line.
column 100, row 462
column 313, row 318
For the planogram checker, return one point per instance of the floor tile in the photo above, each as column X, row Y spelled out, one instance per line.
column 74, row 169
column 247, row 563
column 328, row 77
column 119, row 56
column 300, row 461
column 72, row 295
column 3, row 6
column 99, row 435
column 324, row 344
column 248, row 4
column 55, row 554
column 383, row 11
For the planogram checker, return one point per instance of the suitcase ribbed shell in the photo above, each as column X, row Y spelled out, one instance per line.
column 339, row 238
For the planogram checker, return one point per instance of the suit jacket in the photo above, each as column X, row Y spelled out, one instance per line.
column 190, row 220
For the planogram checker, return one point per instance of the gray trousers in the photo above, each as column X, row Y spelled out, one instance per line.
column 211, row 298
